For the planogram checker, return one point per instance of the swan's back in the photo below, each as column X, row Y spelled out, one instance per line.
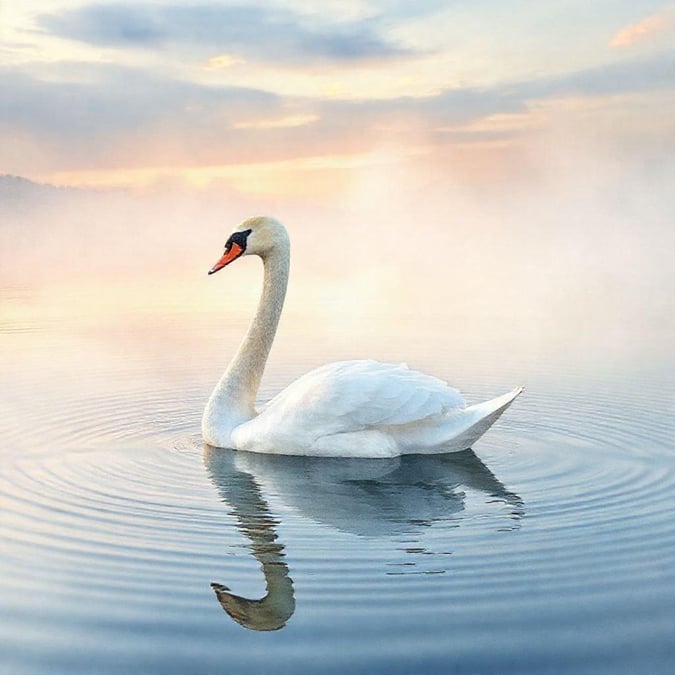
column 343, row 398
column 358, row 394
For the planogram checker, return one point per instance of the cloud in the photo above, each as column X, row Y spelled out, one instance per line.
column 616, row 78
column 285, row 122
column 645, row 30
column 78, row 99
column 111, row 116
column 254, row 33
column 466, row 104
column 108, row 117
column 406, row 9
column 222, row 61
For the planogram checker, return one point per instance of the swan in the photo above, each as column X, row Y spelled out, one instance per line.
column 358, row 408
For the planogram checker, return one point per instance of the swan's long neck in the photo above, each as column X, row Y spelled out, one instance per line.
column 234, row 396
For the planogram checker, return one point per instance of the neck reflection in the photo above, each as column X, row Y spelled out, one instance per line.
column 254, row 520
column 368, row 498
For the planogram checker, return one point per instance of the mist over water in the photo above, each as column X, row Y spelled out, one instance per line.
column 555, row 239
column 129, row 547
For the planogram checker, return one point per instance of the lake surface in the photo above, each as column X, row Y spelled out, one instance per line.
column 126, row 546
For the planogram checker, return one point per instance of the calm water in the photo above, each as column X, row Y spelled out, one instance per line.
column 127, row 547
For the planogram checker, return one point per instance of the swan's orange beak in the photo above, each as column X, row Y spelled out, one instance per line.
column 231, row 254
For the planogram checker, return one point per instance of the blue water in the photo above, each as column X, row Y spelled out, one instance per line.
column 129, row 547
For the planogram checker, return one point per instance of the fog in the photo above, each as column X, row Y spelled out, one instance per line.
column 561, row 240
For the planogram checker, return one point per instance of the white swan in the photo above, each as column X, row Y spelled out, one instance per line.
column 343, row 409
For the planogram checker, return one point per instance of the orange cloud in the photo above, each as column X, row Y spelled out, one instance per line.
column 291, row 176
column 643, row 30
column 280, row 123
column 223, row 61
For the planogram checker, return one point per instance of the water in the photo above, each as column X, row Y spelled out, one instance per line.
column 127, row 547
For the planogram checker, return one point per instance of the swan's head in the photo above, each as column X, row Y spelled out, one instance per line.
column 259, row 236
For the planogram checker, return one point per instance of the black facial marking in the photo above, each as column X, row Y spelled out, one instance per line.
column 238, row 238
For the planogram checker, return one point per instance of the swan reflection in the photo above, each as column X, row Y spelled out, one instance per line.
column 369, row 498
column 254, row 520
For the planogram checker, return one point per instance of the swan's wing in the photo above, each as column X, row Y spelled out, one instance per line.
column 354, row 395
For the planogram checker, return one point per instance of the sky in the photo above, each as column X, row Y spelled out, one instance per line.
column 502, row 158
column 296, row 96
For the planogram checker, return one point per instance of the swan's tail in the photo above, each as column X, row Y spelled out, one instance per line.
column 461, row 428
column 480, row 417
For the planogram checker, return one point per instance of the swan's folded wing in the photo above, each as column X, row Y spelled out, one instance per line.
column 353, row 395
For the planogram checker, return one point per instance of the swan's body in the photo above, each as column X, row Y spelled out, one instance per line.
column 344, row 409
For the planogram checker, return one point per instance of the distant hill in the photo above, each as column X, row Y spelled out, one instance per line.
column 18, row 186
column 19, row 194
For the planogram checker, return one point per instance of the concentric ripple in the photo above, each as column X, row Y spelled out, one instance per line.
column 549, row 549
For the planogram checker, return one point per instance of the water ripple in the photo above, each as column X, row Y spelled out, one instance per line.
column 558, row 531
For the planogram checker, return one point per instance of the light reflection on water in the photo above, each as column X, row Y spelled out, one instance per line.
column 550, row 548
